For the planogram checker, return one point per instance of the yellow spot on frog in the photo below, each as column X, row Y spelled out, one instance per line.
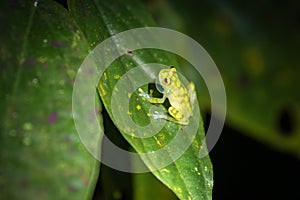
column 138, row 107
column 117, row 76
column 181, row 98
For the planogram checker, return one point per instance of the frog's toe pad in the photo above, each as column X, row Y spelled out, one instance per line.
column 145, row 95
column 158, row 116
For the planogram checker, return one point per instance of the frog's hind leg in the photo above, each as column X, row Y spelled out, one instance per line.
column 177, row 116
column 175, row 113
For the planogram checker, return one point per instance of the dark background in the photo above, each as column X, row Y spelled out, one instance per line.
column 247, row 169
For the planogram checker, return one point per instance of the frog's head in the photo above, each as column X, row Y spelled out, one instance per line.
column 166, row 78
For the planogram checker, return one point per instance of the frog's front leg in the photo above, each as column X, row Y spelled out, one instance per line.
column 152, row 99
column 157, row 100
column 149, row 98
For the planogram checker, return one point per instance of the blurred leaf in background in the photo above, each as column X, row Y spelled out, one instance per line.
column 42, row 157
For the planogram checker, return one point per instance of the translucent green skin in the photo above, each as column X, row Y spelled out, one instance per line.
column 181, row 98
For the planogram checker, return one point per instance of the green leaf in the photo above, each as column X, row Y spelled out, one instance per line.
column 41, row 154
column 189, row 176
column 147, row 187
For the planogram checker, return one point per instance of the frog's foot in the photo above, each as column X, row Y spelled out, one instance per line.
column 157, row 115
column 144, row 94
column 150, row 98
column 164, row 116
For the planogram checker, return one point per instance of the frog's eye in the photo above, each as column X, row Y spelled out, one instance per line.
column 167, row 81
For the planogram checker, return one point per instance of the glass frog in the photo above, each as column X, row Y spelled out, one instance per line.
column 181, row 98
